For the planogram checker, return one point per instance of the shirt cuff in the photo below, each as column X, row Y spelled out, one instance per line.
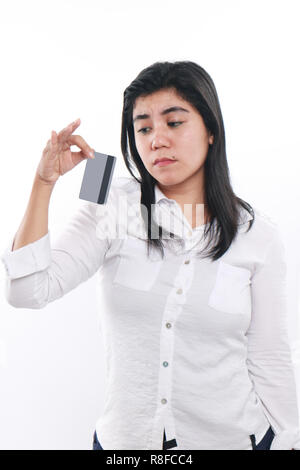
column 286, row 440
column 28, row 259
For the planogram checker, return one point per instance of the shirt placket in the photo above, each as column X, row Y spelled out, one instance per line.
column 164, row 431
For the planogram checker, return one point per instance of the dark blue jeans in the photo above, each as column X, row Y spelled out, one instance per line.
column 266, row 441
column 96, row 443
column 264, row 444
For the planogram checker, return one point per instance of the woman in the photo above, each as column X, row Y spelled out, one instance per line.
column 196, row 341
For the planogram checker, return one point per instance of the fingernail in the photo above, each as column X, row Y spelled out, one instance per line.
column 92, row 154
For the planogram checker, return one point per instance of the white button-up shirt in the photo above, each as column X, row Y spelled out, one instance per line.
column 194, row 347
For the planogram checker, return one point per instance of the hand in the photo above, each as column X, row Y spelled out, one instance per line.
column 57, row 158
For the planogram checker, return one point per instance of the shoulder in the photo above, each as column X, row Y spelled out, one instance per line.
column 265, row 221
column 265, row 229
column 125, row 182
column 124, row 190
column 263, row 218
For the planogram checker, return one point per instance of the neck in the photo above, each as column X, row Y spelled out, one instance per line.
column 191, row 199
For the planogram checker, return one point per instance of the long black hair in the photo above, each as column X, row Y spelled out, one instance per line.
column 195, row 86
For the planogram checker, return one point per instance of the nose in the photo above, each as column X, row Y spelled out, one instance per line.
column 159, row 140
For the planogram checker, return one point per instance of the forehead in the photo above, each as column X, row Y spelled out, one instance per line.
column 159, row 99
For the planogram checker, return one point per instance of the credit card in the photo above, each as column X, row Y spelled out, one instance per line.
column 97, row 178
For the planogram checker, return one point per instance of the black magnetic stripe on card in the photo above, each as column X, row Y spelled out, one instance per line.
column 106, row 179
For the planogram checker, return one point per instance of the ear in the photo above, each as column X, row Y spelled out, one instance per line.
column 211, row 139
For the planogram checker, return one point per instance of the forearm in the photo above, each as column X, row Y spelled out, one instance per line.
column 34, row 224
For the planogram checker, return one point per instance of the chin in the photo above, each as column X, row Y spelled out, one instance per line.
column 166, row 178
column 169, row 181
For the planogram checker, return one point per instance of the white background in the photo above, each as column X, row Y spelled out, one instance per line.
column 64, row 59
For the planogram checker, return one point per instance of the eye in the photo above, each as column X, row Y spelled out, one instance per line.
column 171, row 122
column 175, row 122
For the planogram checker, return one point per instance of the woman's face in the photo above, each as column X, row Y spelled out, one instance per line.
column 179, row 134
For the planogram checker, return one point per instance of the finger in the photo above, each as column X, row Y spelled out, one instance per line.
column 52, row 145
column 48, row 145
column 53, row 138
column 64, row 133
column 82, row 144
column 77, row 157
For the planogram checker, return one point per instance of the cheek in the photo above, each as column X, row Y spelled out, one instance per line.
column 191, row 137
column 195, row 142
column 141, row 148
column 140, row 145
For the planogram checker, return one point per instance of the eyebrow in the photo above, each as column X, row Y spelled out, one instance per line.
column 165, row 111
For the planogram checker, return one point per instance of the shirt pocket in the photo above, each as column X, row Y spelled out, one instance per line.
column 136, row 270
column 232, row 290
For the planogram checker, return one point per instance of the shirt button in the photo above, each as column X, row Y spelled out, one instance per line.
column 187, row 261
column 179, row 291
column 168, row 325
column 165, row 364
column 164, row 401
column 189, row 234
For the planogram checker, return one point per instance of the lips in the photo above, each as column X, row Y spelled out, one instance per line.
column 158, row 160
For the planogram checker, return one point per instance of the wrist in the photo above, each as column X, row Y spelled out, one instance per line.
column 41, row 182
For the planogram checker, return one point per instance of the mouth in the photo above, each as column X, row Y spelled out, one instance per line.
column 163, row 161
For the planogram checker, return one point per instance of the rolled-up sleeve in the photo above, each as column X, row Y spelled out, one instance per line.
column 42, row 272
column 269, row 358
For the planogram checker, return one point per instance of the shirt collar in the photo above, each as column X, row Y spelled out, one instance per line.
column 159, row 195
